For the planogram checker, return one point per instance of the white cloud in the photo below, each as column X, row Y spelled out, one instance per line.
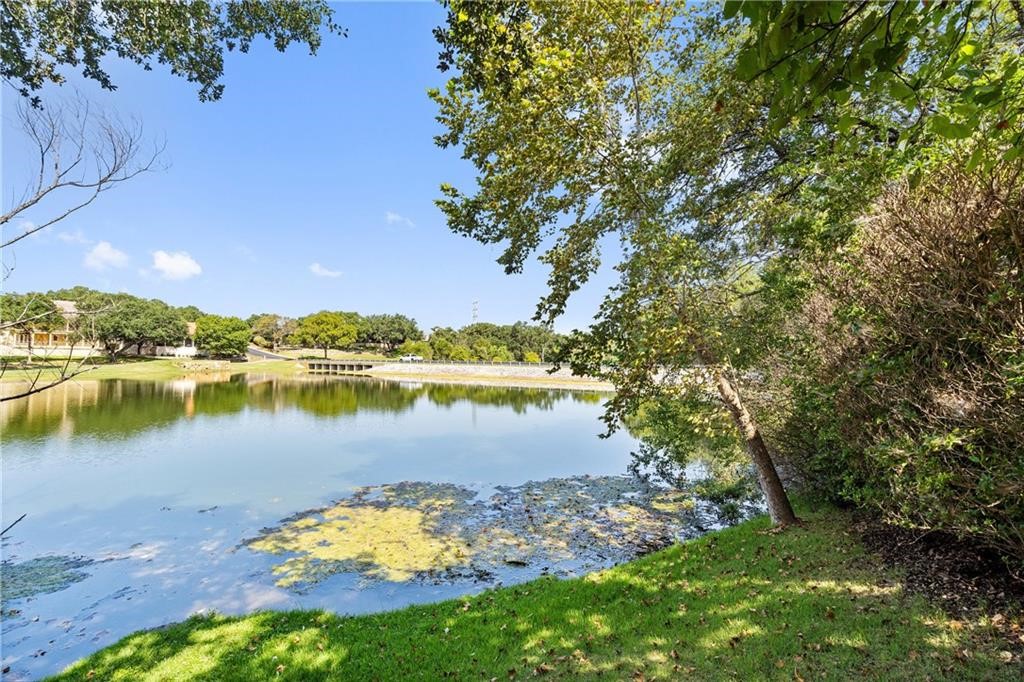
column 104, row 256
column 396, row 219
column 76, row 237
column 321, row 271
column 177, row 265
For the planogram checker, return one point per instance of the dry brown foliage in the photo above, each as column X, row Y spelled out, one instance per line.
column 906, row 385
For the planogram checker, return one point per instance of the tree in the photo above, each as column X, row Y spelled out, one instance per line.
column 420, row 348
column 388, row 331
column 273, row 328
column 325, row 330
column 460, row 353
column 951, row 69
column 120, row 321
column 40, row 39
column 488, row 351
column 190, row 313
column 585, row 120
column 442, row 341
column 222, row 337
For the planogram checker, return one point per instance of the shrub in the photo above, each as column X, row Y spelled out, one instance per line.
column 905, row 382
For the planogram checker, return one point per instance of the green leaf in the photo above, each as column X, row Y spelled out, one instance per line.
column 846, row 123
column 942, row 126
column 902, row 91
column 988, row 94
column 753, row 10
column 886, row 57
column 748, row 64
column 731, row 8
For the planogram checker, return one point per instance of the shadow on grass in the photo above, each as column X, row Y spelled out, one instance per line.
column 740, row 604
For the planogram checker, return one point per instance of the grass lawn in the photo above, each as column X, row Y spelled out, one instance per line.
column 740, row 604
column 158, row 370
column 332, row 354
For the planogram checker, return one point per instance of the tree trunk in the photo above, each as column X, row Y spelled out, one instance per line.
column 325, row 352
column 779, row 508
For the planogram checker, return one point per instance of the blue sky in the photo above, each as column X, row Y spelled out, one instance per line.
column 309, row 186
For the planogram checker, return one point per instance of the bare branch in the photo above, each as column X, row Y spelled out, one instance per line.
column 78, row 152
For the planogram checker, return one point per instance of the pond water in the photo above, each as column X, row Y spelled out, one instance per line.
column 147, row 502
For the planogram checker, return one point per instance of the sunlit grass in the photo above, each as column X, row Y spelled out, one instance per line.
column 739, row 604
column 332, row 354
column 162, row 369
column 166, row 369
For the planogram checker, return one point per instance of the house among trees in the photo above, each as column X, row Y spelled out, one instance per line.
column 59, row 328
column 45, row 334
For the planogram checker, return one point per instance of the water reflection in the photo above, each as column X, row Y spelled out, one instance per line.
column 139, row 497
column 117, row 409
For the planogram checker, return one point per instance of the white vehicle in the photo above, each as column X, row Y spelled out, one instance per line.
column 411, row 358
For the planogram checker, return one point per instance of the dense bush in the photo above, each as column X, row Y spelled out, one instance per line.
column 905, row 375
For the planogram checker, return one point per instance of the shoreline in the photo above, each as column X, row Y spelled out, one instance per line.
column 577, row 384
column 160, row 369
column 827, row 608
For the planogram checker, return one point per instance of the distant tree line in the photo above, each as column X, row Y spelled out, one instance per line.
column 490, row 342
column 120, row 323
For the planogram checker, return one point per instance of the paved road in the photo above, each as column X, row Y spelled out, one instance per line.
column 265, row 354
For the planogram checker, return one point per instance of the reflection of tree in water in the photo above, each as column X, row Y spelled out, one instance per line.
column 519, row 399
column 99, row 409
column 117, row 408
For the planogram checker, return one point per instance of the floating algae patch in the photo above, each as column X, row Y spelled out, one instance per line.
column 385, row 532
column 41, row 575
column 442, row 532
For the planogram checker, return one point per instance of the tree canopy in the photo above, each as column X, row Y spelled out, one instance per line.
column 325, row 330
column 222, row 337
column 387, row 331
column 40, row 39
column 739, row 156
column 598, row 122
column 947, row 68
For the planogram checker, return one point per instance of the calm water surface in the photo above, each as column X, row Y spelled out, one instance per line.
column 138, row 495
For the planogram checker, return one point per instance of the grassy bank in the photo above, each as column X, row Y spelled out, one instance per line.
column 483, row 378
column 739, row 604
column 165, row 369
column 332, row 354
column 157, row 370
